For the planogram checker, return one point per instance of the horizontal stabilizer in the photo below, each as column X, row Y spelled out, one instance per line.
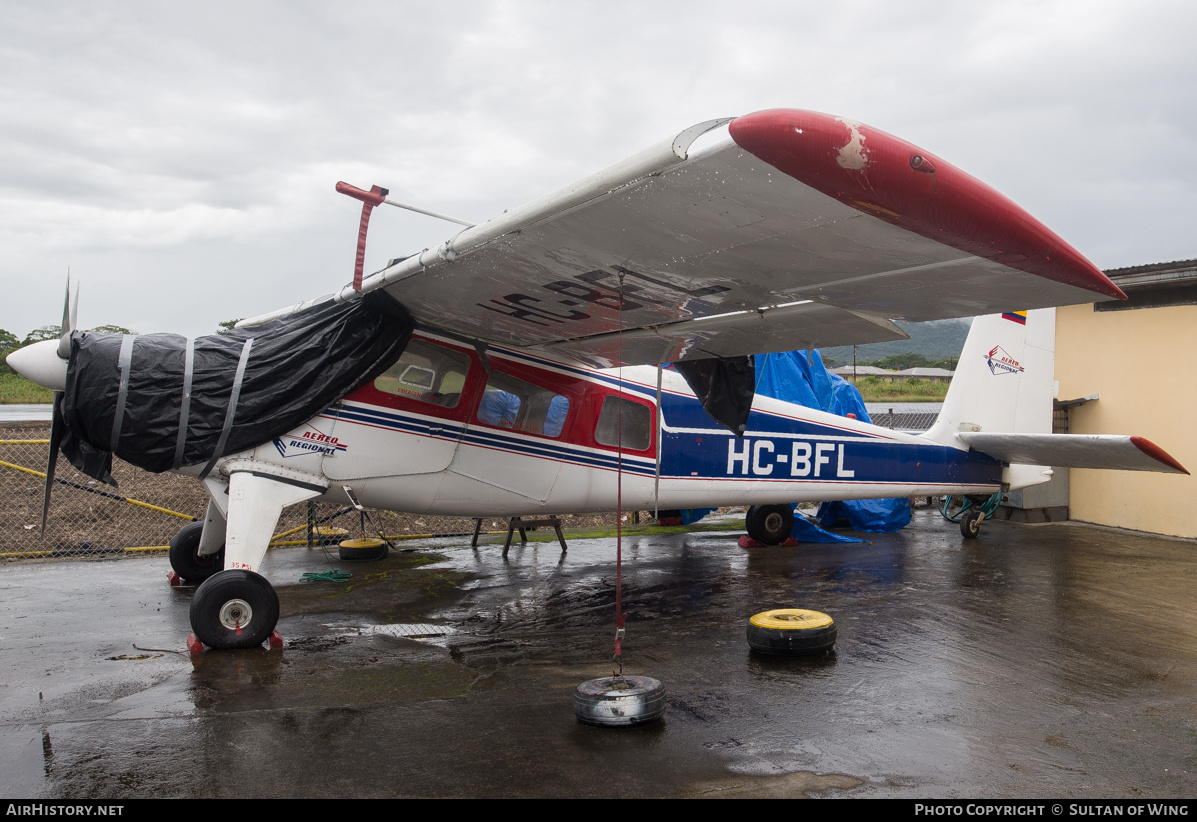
column 1076, row 451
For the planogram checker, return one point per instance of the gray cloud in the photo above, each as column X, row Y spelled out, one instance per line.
column 182, row 160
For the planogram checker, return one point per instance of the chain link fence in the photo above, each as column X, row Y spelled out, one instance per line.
column 145, row 511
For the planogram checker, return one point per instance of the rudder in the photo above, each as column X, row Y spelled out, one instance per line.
column 1004, row 381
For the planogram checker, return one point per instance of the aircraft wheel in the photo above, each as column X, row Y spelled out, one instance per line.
column 769, row 524
column 184, row 556
column 970, row 523
column 234, row 609
column 791, row 632
column 622, row 700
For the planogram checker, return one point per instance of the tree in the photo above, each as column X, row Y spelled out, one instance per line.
column 45, row 332
column 227, row 326
column 8, row 342
column 900, row 362
column 112, row 329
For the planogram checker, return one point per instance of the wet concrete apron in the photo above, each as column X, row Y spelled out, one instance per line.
column 1036, row 661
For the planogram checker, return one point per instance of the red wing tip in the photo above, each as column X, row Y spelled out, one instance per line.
column 1158, row 454
column 1109, row 287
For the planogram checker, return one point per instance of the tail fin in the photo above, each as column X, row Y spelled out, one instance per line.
column 1000, row 404
column 1004, row 381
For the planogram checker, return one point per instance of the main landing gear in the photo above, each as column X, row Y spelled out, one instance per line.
column 769, row 524
column 234, row 609
column 237, row 607
column 185, row 558
column 197, row 550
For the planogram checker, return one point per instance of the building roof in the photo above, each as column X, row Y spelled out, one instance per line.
column 863, row 371
column 1154, row 274
column 925, row 372
column 874, row 371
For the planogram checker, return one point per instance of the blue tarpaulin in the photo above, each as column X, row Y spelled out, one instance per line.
column 806, row 531
column 792, row 377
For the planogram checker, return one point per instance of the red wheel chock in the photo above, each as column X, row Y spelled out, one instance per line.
column 194, row 646
column 748, row 542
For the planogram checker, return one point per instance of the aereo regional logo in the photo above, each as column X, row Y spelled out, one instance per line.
column 1002, row 363
column 310, row 441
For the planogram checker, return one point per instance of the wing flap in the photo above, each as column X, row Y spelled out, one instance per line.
column 1075, row 451
column 784, row 328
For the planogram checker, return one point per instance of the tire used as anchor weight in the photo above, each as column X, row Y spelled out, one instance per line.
column 791, row 632
column 185, row 558
column 619, row 700
column 769, row 524
column 234, row 609
column 362, row 549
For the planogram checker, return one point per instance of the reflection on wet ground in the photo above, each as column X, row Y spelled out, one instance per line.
column 1053, row 660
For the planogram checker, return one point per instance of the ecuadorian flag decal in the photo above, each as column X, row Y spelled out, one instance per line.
column 1019, row 317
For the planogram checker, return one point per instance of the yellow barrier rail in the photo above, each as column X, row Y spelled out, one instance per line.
column 99, row 492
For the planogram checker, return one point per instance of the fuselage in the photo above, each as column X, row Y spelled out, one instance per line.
column 440, row 433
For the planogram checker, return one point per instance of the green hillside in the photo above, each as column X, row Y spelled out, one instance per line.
column 937, row 340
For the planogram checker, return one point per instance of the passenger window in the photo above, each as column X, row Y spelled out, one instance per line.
column 428, row 373
column 637, row 424
column 509, row 402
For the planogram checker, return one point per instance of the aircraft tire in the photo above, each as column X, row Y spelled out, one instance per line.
column 362, row 549
column 234, row 609
column 769, row 524
column 970, row 523
column 184, row 558
column 791, row 632
column 619, row 701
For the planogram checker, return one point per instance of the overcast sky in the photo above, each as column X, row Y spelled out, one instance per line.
column 181, row 159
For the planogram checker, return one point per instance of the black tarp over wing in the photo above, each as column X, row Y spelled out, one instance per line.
column 293, row 369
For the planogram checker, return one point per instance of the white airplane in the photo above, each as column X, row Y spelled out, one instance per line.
column 515, row 368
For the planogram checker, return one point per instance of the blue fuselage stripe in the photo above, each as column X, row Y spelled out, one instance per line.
column 775, row 447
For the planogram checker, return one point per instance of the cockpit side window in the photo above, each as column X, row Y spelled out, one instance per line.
column 428, row 373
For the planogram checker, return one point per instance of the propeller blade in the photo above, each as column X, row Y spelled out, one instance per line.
column 57, row 429
column 64, row 342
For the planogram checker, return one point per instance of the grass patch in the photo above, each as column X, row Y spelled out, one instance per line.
column 874, row 389
column 16, row 389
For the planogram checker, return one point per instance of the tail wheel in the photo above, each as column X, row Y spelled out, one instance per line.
column 185, row 558
column 234, row 609
column 791, row 632
column 769, row 524
column 970, row 523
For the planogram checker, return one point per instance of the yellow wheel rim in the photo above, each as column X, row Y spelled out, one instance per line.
column 368, row 542
column 791, row 619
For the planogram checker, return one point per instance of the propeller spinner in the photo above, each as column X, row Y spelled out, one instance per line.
column 45, row 363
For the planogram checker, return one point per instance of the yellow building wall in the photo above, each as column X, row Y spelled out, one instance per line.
column 1139, row 361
